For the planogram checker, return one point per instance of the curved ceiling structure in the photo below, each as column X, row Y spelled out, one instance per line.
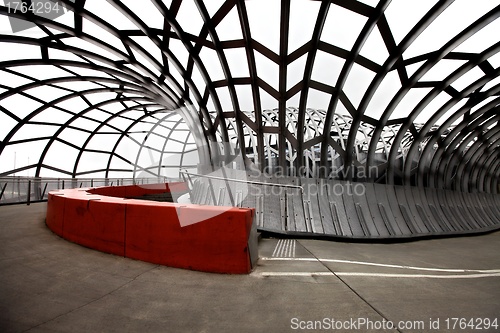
column 116, row 88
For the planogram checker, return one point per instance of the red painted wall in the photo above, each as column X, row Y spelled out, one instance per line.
column 205, row 238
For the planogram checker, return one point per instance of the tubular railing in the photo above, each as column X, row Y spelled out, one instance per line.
column 306, row 207
column 24, row 190
column 238, row 181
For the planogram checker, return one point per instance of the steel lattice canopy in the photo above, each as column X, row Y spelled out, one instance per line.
column 129, row 88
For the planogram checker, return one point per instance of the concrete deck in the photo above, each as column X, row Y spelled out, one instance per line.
column 48, row 284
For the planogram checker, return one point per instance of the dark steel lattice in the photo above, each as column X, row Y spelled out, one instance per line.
column 409, row 89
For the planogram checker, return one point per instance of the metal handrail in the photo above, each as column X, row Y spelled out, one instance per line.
column 244, row 181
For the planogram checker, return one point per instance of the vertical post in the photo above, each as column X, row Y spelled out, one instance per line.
column 190, row 180
column 44, row 189
column 212, row 191
column 229, row 192
column 183, row 177
column 28, row 199
column 3, row 190
column 307, row 212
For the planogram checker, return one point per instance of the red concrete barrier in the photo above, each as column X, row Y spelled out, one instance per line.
column 55, row 212
column 216, row 244
column 133, row 191
column 205, row 238
column 95, row 223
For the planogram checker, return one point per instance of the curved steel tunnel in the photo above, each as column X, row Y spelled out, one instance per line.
column 408, row 91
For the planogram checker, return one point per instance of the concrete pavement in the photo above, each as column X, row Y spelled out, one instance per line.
column 48, row 284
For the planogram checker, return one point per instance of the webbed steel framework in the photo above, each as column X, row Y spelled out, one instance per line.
column 406, row 90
